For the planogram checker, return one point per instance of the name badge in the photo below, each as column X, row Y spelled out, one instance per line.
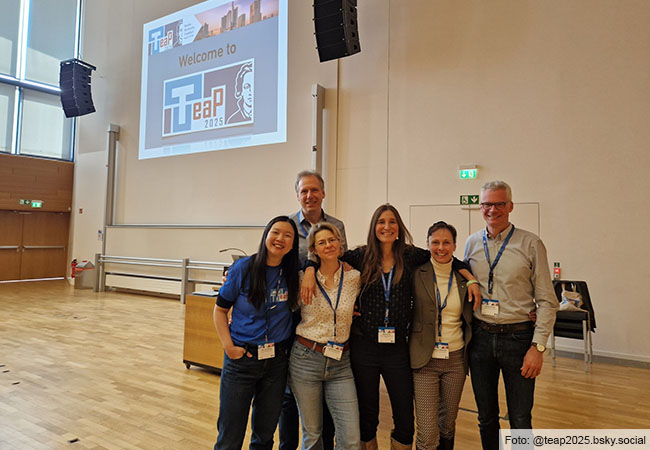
column 333, row 350
column 266, row 351
column 441, row 350
column 386, row 335
column 489, row 307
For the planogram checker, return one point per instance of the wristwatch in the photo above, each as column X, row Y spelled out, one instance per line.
column 540, row 348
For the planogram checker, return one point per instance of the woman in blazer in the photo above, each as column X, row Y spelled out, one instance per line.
column 438, row 343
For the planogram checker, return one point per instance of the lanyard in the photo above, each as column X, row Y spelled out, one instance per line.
column 387, row 286
column 442, row 305
column 338, row 297
column 301, row 217
column 269, row 308
column 496, row 260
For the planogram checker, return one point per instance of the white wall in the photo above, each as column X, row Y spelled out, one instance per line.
column 553, row 97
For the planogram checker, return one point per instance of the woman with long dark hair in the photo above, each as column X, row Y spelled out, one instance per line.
column 379, row 335
column 262, row 291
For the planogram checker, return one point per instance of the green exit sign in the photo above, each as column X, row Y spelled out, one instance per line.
column 468, row 174
column 37, row 204
column 469, row 199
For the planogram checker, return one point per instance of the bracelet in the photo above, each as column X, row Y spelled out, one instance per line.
column 470, row 282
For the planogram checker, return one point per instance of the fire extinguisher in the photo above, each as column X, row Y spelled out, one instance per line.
column 73, row 268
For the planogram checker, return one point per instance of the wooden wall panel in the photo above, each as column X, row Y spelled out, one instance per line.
column 23, row 177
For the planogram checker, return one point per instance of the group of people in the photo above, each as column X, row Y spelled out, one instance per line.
column 419, row 319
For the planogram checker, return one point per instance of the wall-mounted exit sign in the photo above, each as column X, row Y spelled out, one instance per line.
column 37, row 204
column 468, row 172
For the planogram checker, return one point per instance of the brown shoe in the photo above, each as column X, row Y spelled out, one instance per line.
column 370, row 445
column 396, row 445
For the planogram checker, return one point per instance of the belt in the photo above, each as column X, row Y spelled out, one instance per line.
column 316, row 346
column 503, row 328
column 252, row 348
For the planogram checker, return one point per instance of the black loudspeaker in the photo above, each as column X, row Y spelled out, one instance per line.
column 74, row 81
column 335, row 22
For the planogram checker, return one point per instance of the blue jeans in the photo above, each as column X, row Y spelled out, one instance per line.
column 489, row 354
column 244, row 380
column 313, row 377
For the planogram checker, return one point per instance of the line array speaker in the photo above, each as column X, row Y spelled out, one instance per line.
column 335, row 24
column 74, row 81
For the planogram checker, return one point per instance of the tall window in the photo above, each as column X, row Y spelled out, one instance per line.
column 35, row 35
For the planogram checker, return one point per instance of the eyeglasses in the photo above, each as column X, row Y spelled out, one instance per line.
column 498, row 205
column 324, row 242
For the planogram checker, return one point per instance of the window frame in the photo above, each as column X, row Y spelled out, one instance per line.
column 24, row 84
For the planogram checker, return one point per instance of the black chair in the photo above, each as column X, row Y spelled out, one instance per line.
column 575, row 324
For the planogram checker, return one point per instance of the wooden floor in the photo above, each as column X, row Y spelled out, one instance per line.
column 84, row 370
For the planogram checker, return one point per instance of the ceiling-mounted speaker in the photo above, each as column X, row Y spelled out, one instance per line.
column 335, row 24
column 74, row 81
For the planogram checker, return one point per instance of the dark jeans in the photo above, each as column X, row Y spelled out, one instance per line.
column 489, row 354
column 288, row 425
column 371, row 360
column 244, row 380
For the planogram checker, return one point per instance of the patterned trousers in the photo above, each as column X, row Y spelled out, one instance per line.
column 438, row 387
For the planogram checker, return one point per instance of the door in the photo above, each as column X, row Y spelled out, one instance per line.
column 11, row 232
column 33, row 244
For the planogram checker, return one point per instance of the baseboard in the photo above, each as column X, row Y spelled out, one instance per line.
column 599, row 357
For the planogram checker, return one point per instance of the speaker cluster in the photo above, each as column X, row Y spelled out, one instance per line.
column 74, row 81
column 335, row 23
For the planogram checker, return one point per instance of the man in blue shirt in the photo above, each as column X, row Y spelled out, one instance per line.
column 310, row 191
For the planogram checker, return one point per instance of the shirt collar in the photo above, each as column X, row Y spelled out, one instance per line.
column 499, row 236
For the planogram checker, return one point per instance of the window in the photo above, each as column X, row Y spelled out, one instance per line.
column 35, row 35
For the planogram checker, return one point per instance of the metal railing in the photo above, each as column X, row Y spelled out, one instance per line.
column 186, row 271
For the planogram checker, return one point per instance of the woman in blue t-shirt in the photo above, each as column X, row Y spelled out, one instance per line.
column 262, row 291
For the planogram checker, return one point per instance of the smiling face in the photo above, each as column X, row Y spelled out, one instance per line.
column 387, row 228
column 496, row 209
column 310, row 194
column 327, row 246
column 442, row 245
column 279, row 242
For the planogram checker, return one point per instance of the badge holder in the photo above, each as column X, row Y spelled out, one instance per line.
column 441, row 350
column 333, row 350
column 266, row 351
column 490, row 307
column 386, row 335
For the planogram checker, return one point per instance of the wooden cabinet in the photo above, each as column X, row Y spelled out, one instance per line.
column 202, row 346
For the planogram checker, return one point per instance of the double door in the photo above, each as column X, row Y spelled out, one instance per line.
column 33, row 244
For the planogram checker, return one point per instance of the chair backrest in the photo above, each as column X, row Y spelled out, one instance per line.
column 580, row 287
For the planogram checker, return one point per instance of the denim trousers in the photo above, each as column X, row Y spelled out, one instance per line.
column 370, row 360
column 314, row 377
column 247, row 380
column 489, row 354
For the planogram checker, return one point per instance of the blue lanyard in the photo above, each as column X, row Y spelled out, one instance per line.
column 269, row 308
column 387, row 285
column 338, row 297
column 301, row 217
column 442, row 305
column 496, row 260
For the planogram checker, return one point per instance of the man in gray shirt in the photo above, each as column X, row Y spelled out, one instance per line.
column 512, row 269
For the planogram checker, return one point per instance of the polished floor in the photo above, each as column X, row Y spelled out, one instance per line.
column 85, row 370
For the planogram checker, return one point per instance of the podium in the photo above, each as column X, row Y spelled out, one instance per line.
column 202, row 346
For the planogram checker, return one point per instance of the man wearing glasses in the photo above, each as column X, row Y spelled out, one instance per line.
column 512, row 269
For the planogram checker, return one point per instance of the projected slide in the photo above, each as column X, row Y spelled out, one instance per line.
column 214, row 76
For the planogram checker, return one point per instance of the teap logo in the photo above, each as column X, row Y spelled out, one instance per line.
column 185, row 108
